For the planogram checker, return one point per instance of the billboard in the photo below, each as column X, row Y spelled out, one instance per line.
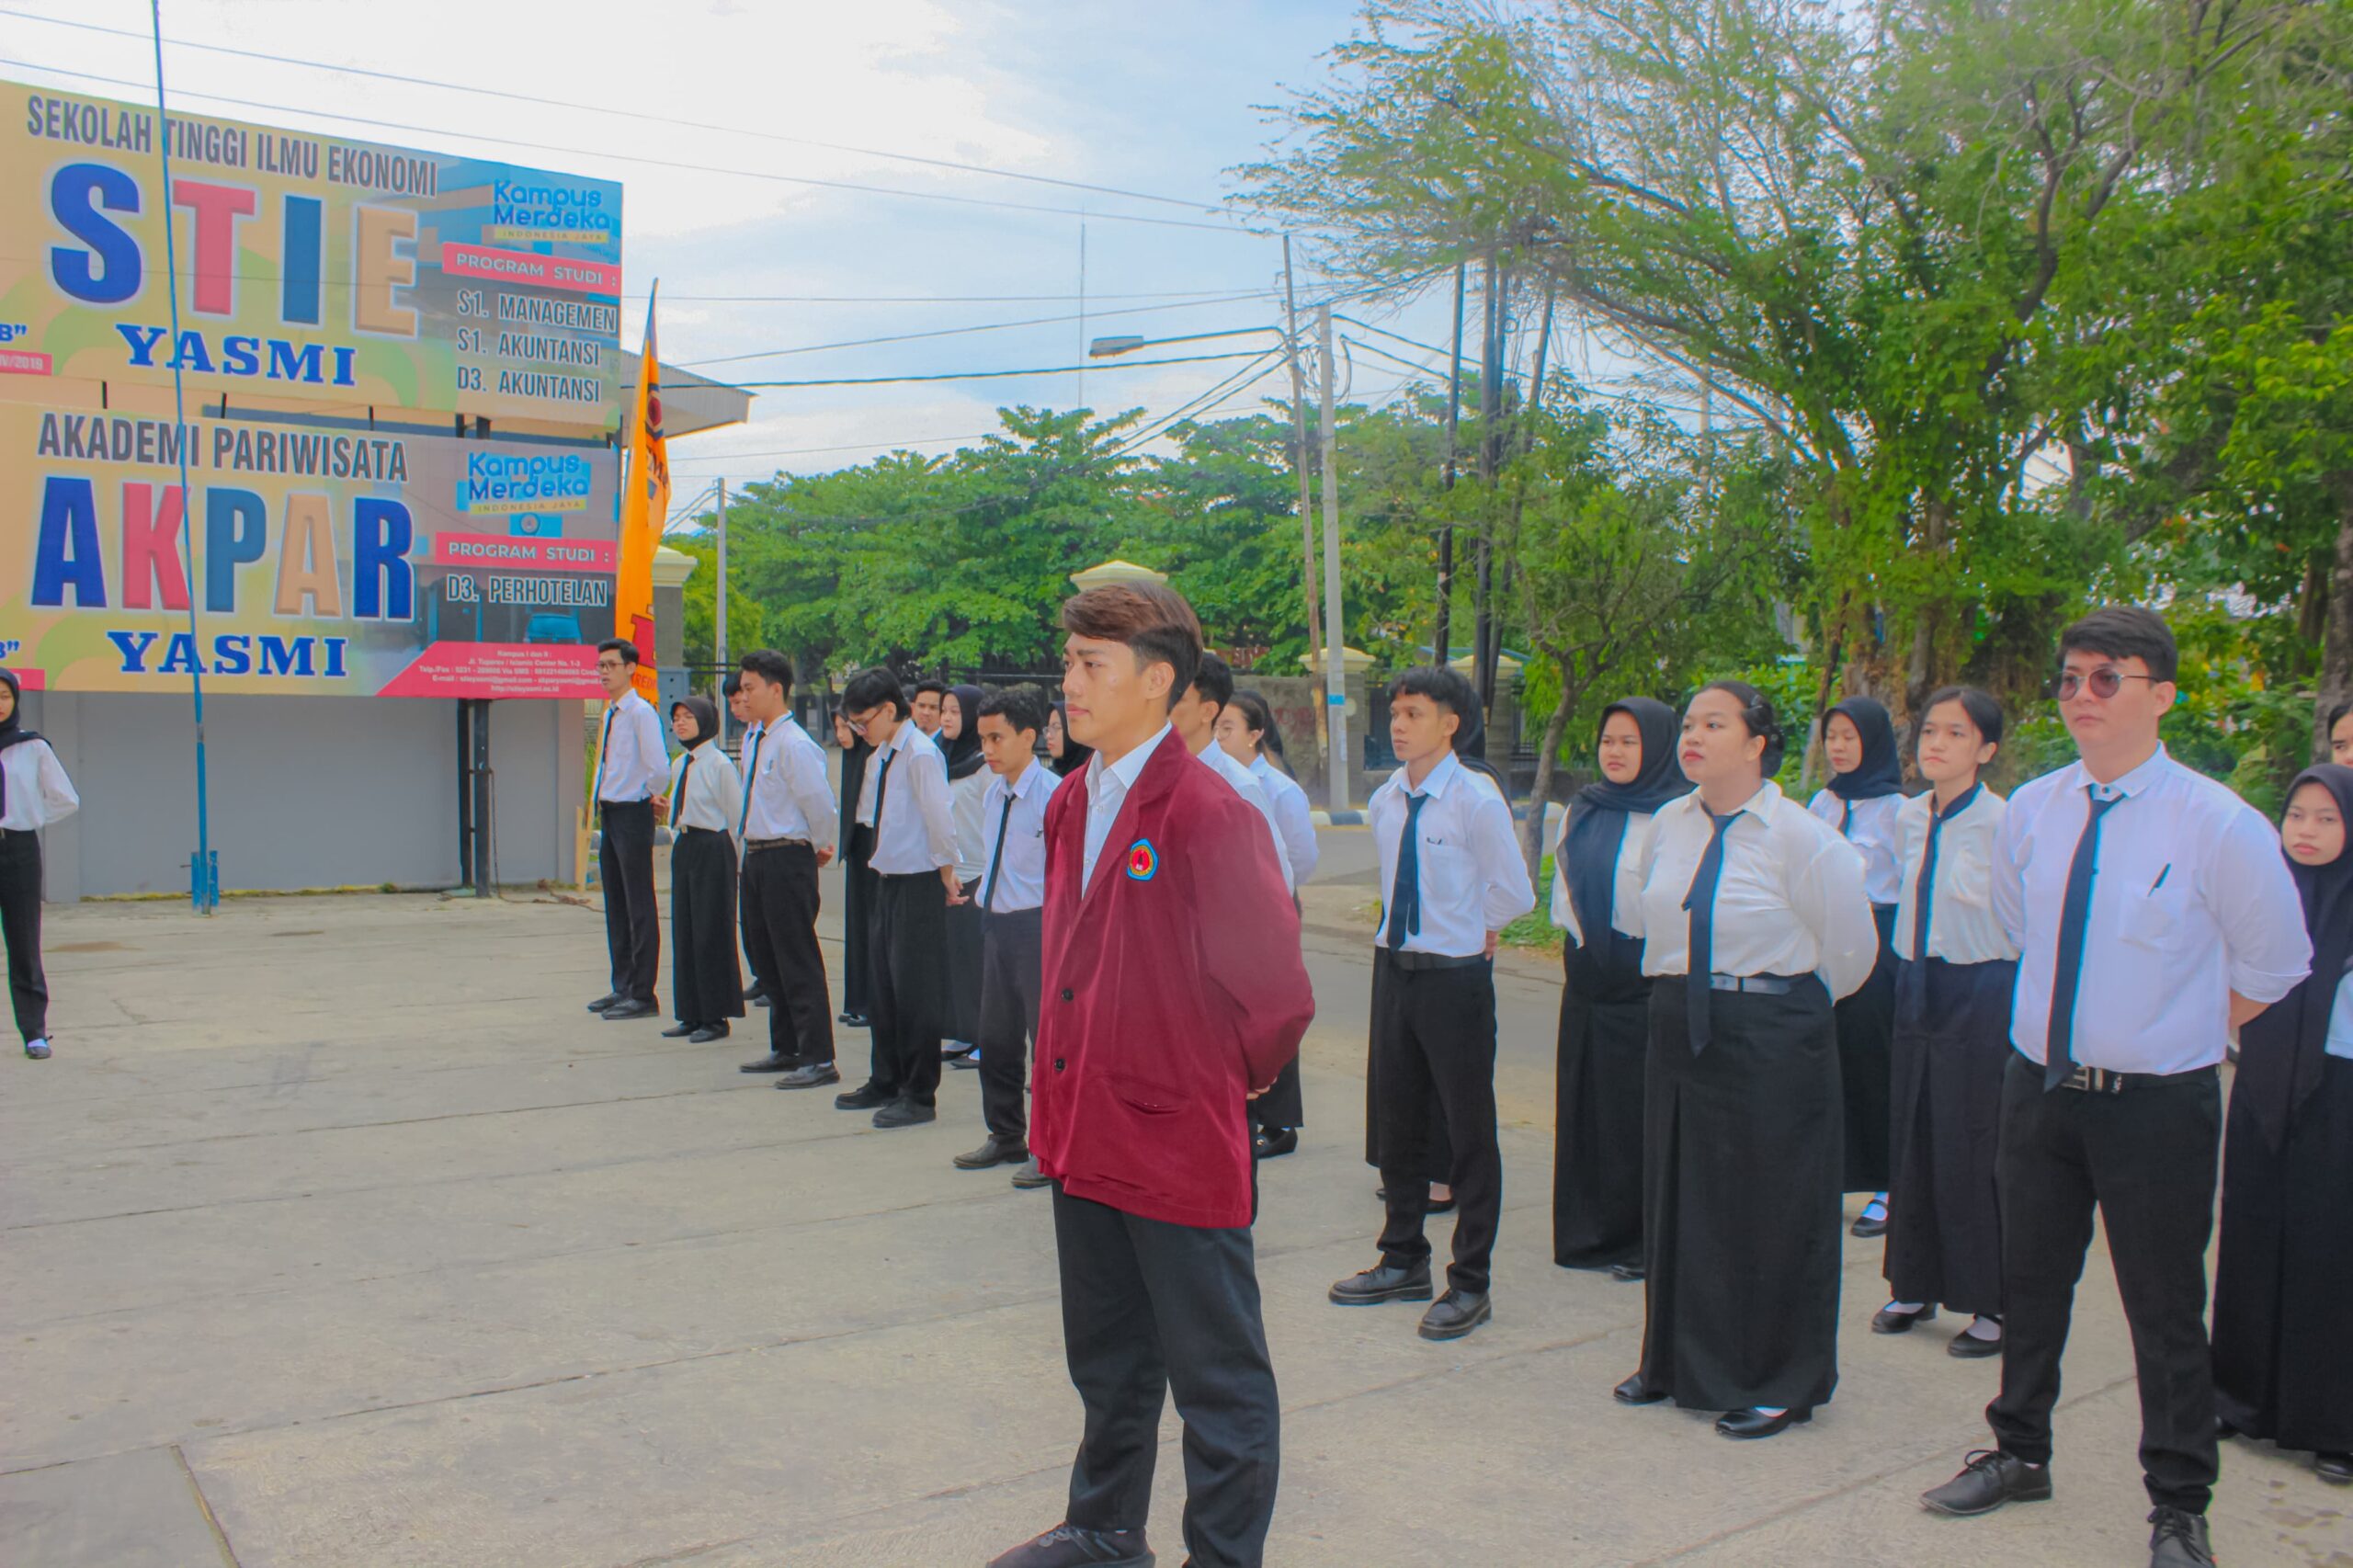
column 310, row 266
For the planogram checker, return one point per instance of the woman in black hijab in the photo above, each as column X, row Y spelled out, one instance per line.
column 34, row 792
column 968, row 782
column 857, row 876
column 1063, row 755
column 1604, row 998
column 1862, row 801
column 2283, row 1362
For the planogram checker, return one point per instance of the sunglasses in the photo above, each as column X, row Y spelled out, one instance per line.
column 2105, row 682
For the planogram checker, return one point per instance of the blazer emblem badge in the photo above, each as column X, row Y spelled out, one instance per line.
column 1143, row 860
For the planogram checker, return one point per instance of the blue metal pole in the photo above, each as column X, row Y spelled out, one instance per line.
column 204, row 889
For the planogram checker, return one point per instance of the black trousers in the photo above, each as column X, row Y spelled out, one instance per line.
column 20, row 926
column 1284, row 1105
column 2145, row 1158
column 1434, row 1044
column 961, row 1020
column 705, row 985
column 1150, row 1308
column 780, row 930
column 625, row 867
column 908, row 944
column 1012, row 974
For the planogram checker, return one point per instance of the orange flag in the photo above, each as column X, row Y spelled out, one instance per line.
column 646, row 505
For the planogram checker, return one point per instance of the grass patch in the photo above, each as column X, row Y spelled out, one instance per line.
column 1535, row 930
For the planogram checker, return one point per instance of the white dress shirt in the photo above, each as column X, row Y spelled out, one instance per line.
column 964, row 808
column 1245, row 784
column 1294, row 824
column 787, row 795
column 1020, row 881
column 1962, row 927
column 1626, row 889
column 632, row 761
column 2339, row 1038
column 2192, row 901
column 39, row 791
column 714, row 795
column 1471, row 878
column 1873, row 832
column 921, row 832
column 1106, row 788
column 1790, row 901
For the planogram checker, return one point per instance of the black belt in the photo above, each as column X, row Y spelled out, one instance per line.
column 2100, row 1081
column 1758, row 984
column 753, row 846
column 1410, row 962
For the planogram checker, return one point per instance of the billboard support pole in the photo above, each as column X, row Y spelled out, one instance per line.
column 204, row 871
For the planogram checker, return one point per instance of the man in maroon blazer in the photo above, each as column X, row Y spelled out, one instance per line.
column 1173, row 994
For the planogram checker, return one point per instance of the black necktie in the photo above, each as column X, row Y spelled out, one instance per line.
column 1701, row 901
column 678, row 799
column 603, row 747
column 996, row 858
column 881, row 784
column 1405, row 892
column 1846, row 820
column 2067, row 972
column 751, row 771
column 1913, row 988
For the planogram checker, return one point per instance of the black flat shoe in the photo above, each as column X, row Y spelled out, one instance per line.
column 1967, row 1347
column 857, row 1020
column 1628, row 1273
column 810, row 1075
column 1868, row 1228
column 1067, row 1546
column 610, row 998
column 1750, row 1424
column 1634, row 1390
column 1988, row 1480
column 705, row 1035
column 1441, row 1205
column 678, row 1031
column 905, row 1113
column 771, row 1063
column 635, row 1008
column 755, row 992
column 1274, row 1146
column 866, row 1097
column 1886, row 1321
column 969, row 1061
column 2335, row 1469
column 1385, row 1282
column 761, row 1000
column 1456, row 1313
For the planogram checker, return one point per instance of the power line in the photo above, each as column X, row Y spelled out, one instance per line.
column 962, row 330
column 629, row 114
column 989, row 375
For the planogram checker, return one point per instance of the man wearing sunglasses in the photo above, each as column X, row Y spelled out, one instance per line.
column 2156, row 916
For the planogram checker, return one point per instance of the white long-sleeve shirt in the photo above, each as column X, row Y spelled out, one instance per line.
column 1872, row 830
column 1789, row 899
column 1020, row 880
column 787, row 795
column 632, row 761
column 1293, row 822
column 2190, row 900
column 1245, row 784
column 918, row 833
column 714, row 789
column 39, row 791
column 1107, row 788
column 964, row 805
column 1962, row 927
column 1472, row 879
column 1626, row 887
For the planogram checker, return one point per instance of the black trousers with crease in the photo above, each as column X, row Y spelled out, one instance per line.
column 780, row 931
column 908, row 945
column 1434, row 1041
column 625, row 870
column 20, row 925
column 1012, row 975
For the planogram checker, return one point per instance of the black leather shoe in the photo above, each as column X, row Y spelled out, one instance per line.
column 1628, row 1273
column 969, row 1062
column 1886, row 1321
column 2335, row 1469
column 635, row 1008
column 2178, row 1541
column 1456, row 1313
column 1967, row 1347
column 866, row 1097
column 1385, row 1282
column 1067, row 1546
column 771, row 1063
column 1867, row 1227
column 1274, row 1146
column 608, row 999
column 761, row 1000
column 995, row 1151
column 857, row 1020
column 1987, row 1481
column 707, row 1033
column 678, row 1030
column 1745, row 1423
column 1634, row 1390
column 1029, row 1177
column 810, row 1076
column 905, row 1113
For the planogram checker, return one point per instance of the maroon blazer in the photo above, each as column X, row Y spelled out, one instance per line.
column 1174, row 987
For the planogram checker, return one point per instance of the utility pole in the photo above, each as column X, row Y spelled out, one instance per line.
column 1490, row 436
column 1299, row 460
column 1335, row 689
column 718, row 618
column 1442, row 633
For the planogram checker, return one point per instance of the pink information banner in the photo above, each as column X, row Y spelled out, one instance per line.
column 526, row 268
column 519, row 554
column 498, row 669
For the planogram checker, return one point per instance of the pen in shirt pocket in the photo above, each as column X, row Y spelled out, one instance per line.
column 2162, row 875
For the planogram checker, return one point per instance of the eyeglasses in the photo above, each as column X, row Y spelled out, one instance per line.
column 2105, row 682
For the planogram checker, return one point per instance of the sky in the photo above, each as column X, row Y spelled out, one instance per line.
column 1157, row 100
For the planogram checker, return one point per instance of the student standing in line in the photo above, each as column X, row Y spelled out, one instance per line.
column 739, row 710
column 631, row 763
column 924, row 707
column 2154, row 914
column 34, row 792
column 1753, row 922
column 1246, row 728
column 968, row 780
column 1012, row 890
column 1065, row 756
column 1605, row 997
column 1195, row 718
column 1174, row 989
column 2283, row 1277
column 858, row 878
column 906, row 803
column 1865, row 791
column 1455, row 880
column 703, row 789
column 2340, row 734
column 1953, row 986
column 785, row 816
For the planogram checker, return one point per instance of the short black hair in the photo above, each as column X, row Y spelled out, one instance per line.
column 1982, row 710
column 1450, row 689
column 770, row 666
column 934, row 687
column 621, row 645
column 1023, row 706
column 1213, row 678
column 733, row 684
column 2337, row 715
column 1150, row 619
column 1757, row 714
column 870, row 690
column 2125, row 632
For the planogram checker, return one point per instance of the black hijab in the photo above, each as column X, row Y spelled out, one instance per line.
column 1597, row 826
column 704, row 716
column 12, row 730
column 853, row 760
column 1881, row 771
column 1073, row 756
column 2281, row 1049
column 964, row 758
column 1470, row 746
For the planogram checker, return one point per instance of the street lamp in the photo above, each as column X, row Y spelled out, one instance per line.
column 1111, row 348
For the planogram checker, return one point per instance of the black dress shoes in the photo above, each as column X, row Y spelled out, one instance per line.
column 1634, row 1390
column 1456, row 1313
column 1886, row 1321
column 608, row 999
column 1867, row 1227
column 1275, row 1144
column 1967, row 1347
column 1385, row 1282
column 905, row 1113
column 707, row 1033
column 995, row 1151
column 2335, row 1469
column 771, row 1063
column 678, row 1031
column 633, row 1007
column 810, row 1076
column 1067, row 1546
column 866, row 1097
column 1627, row 1273
column 1987, row 1481
column 2179, row 1540
column 856, row 1020
column 1029, row 1177
column 1756, row 1423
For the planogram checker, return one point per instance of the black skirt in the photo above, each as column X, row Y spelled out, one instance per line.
column 1944, row 1230
column 858, row 914
column 2283, row 1277
column 1866, row 1028
column 706, row 984
column 1598, row 1105
column 1740, row 1218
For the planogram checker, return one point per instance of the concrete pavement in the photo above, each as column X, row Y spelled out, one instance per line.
column 337, row 1233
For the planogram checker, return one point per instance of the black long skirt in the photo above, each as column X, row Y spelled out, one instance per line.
column 858, row 914
column 2283, row 1278
column 1598, row 1105
column 964, row 945
column 1944, row 1231
column 706, row 984
column 1866, row 1030
column 1740, row 1221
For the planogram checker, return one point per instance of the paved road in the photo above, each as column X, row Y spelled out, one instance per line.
column 337, row 1235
